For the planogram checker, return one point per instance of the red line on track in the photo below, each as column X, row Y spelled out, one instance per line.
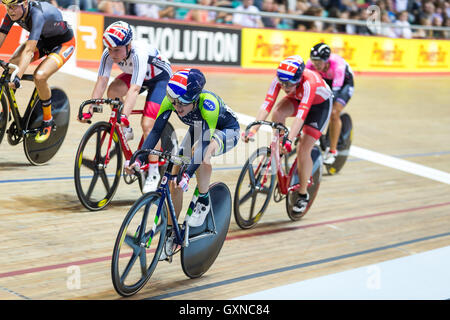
column 248, row 235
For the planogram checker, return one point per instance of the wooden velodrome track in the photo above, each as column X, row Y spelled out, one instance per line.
column 367, row 214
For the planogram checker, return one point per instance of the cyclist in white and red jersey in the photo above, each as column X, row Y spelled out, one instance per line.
column 143, row 68
column 339, row 76
column 308, row 99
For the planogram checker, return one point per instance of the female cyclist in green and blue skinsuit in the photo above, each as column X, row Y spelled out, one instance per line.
column 213, row 129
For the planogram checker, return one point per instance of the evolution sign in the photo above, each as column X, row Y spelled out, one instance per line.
column 182, row 43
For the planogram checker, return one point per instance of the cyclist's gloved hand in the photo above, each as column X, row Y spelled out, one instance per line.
column 16, row 82
column 250, row 136
column 86, row 116
column 288, row 145
column 184, row 182
column 134, row 167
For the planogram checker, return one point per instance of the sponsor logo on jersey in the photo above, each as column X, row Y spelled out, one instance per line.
column 209, row 105
column 68, row 52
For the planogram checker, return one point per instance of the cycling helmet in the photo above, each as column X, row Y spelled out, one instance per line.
column 11, row 2
column 117, row 34
column 320, row 51
column 291, row 69
column 185, row 86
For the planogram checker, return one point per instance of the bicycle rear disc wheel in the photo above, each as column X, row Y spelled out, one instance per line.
column 313, row 186
column 344, row 143
column 95, row 182
column 40, row 153
column 256, row 179
column 138, row 245
column 201, row 253
column 4, row 113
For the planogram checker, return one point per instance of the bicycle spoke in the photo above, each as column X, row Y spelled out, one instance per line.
column 251, row 175
column 98, row 148
column 105, row 180
column 92, row 185
column 128, row 267
column 252, row 206
column 265, row 190
column 131, row 242
column 246, row 197
column 142, row 235
column 90, row 164
column 143, row 261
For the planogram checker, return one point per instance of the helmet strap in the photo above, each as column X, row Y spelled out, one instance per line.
column 128, row 50
column 24, row 11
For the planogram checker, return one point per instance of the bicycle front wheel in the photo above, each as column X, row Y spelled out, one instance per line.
column 256, row 178
column 97, row 180
column 139, row 244
column 4, row 112
column 313, row 186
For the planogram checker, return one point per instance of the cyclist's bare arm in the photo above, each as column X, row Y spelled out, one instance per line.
column 262, row 115
column 295, row 128
column 26, row 56
column 100, row 87
column 130, row 99
column 97, row 93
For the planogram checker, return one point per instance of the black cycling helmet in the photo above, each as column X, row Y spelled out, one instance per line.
column 320, row 51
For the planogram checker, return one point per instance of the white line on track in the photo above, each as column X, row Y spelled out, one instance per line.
column 355, row 151
column 415, row 277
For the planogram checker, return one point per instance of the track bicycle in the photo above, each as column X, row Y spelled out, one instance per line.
column 99, row 158
column 25, row 128
column 143, row 233
column 265, row 172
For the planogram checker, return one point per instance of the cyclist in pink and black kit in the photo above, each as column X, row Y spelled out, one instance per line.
column 308, row 99
column 339, row 76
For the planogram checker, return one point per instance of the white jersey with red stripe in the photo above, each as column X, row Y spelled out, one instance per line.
column 311, row 90
column 144, row 62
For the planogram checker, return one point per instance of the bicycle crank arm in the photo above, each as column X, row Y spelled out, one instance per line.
column 295, row 187
column 203, row 235
column 186, row 235
column 34, row 131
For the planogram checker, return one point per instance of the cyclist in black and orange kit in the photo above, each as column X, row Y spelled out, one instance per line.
column 50, row 36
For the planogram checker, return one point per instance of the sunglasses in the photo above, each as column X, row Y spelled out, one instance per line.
column 287, row 84
column 177, row 101
column 13, row 6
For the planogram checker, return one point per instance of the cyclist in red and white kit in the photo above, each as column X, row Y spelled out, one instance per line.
column 308, row 99
column 143, row 68
column 339, row 76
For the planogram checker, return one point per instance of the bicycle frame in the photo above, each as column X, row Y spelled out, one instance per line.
column 10, row 95
column 181, row 234
column 114, row 120
column 115, row 126
column 282, row 178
